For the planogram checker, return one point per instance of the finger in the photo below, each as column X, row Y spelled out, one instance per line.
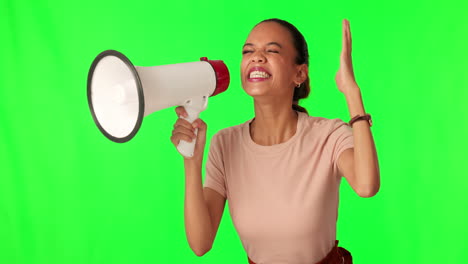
column 345, row 50
column 180, row 110
column 344, row 37
column 183, row 123
column 199, row 124
column 176, row 138
column 349, row 36
column 185, row 131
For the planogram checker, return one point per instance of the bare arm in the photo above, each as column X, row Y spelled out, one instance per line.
column 203, row 208
column 359, row 166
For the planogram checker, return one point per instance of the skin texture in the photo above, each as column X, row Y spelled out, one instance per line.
column 275, row 122
column 358, row 165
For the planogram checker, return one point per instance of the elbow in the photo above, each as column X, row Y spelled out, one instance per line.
column 201, row 244
column 200, row 248
column 367, row 193
column 201, row 251
column 369, row 190
column 369, row 183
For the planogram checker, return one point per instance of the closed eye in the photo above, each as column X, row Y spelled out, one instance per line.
column 273, row 51
column 246, row 51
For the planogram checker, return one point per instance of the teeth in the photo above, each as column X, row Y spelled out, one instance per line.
column 259, row 74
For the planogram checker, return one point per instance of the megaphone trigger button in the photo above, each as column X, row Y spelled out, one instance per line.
column 205, row 101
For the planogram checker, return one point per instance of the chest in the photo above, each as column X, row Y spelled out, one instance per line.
column 293, row 184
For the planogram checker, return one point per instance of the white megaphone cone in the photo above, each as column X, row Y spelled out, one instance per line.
column 120, row 94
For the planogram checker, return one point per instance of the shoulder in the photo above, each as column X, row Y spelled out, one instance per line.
column 229, row 135
column 321, row 124
column 231, row 131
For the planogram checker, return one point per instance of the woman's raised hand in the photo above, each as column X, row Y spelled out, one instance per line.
column 183, row 130
column 345, row 76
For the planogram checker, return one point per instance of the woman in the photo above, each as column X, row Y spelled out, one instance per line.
column 280, row 170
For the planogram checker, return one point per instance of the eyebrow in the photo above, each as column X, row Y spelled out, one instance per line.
column 269, row 43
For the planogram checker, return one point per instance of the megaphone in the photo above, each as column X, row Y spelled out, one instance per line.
column 121, row 94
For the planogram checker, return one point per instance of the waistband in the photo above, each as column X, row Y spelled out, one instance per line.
column 337, row 255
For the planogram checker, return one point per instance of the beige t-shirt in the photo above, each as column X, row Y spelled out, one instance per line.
column 283, row 198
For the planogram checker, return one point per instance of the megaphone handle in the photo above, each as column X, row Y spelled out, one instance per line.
column 187, row 148
column 193, row 110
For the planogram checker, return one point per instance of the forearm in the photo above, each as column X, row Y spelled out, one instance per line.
column 366, row 165
column 198, row 225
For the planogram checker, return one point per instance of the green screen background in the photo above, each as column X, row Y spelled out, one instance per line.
column 69, row 195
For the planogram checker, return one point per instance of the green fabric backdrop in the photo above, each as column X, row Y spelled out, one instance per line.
column 70, row 196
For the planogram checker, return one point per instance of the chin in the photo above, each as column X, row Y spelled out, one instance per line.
column 257, row 90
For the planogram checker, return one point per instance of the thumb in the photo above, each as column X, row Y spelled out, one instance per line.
column 200, row 125
column 201, row 135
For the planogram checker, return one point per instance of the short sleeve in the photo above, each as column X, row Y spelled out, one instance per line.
column 214, row 170
column 340, row 139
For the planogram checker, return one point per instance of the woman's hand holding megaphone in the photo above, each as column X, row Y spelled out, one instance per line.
column 183, row 130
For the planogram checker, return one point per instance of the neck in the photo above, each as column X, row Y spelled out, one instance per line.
column 273, row 124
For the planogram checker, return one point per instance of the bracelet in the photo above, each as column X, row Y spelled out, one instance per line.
column 366, row 117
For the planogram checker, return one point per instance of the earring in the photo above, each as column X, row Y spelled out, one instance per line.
column 299, row 85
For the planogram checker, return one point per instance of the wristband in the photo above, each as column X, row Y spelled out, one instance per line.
column 366, row 117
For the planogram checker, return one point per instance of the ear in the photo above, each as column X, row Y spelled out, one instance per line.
column 301, row 74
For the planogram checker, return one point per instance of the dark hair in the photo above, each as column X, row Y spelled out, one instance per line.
column 302, row 57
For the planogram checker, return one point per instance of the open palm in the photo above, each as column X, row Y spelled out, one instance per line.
column 345, row 76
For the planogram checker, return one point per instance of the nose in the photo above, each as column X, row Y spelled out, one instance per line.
column 258, row 57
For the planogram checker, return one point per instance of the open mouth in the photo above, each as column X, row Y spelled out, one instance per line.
column 258, row 74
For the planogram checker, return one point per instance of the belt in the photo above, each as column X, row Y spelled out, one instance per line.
column 337, row 255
